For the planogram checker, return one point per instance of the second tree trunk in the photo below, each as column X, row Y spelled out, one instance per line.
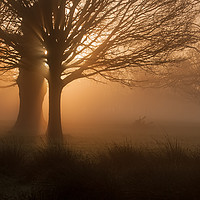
column 54, row 130
column 32, row 89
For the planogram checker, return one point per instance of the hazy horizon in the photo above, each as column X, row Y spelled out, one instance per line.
column 87, row 103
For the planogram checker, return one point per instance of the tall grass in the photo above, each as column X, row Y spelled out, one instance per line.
column 122, row 171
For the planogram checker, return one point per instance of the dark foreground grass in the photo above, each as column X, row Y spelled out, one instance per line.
column 122, row 171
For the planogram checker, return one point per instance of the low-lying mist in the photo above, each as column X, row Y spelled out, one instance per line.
column 90, row 108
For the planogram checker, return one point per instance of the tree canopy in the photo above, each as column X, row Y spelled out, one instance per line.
column 97, row 37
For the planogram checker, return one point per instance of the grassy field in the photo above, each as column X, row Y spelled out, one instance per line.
column 165, row 170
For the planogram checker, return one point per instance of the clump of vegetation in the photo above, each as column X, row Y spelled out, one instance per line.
column 12, row 156
column 142, row 122
column 122, row 171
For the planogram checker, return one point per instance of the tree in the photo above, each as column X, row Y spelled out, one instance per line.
column 17, row 54
column 107, row 38
column 184, row 77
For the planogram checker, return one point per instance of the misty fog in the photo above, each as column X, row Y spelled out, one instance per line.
column 91, row 108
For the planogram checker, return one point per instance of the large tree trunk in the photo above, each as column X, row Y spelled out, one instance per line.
column 32, row 86
column 32, row 89
column 54, row 131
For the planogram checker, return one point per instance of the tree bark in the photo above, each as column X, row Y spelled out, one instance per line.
column 32, row 89
column 54, row 131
